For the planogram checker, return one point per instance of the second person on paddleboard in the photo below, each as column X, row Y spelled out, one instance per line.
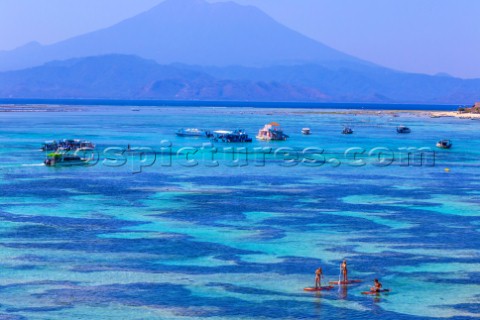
column 318, row 277
column 344, row 271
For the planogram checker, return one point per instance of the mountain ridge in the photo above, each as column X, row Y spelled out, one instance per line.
column 132, row 77
column 127, row 77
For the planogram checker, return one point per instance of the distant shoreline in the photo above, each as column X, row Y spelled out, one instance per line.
column 455, row 114
column 46, row 104
column 331, row 110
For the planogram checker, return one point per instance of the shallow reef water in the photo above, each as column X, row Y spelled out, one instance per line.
column 239, row 240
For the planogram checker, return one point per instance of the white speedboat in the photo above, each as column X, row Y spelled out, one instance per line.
column 306, row 131
column 193, row 132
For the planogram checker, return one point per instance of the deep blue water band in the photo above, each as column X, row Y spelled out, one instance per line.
column 249, row 104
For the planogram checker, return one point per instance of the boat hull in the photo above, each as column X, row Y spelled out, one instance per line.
column 270, row 139
column 75, row 163
column 189, row 134
column 443, row 147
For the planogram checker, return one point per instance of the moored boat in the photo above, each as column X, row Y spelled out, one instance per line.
column 63, row 159
column 444, row 144
column 193, row 132
column 67, row 144
column 49, row 145
column 403, row 129
column 347, row 130
column 86, row 145
column 306, row 131
column 236, row 136
column 272, row 132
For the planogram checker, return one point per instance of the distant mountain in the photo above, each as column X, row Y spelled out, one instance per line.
column 131, row 77
column 191, row 32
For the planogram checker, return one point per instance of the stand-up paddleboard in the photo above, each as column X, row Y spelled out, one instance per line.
column 313, row 289
column 376, row 292
column 337, row 283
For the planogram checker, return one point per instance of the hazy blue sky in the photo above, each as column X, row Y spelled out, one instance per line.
column 428, row 36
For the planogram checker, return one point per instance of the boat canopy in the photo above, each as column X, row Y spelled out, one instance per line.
column 223, row 132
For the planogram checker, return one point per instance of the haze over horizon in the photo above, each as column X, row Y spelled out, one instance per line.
column 422, row 36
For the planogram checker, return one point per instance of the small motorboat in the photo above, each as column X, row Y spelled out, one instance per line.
column 306, row 131
column 444, row 144
column 403, row 129
column 347, row 130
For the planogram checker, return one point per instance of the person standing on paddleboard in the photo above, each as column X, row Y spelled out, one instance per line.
column 343, row 268
column 377, row 286
column 318, row 278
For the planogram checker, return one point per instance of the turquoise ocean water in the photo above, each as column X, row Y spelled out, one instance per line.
column 242, row 239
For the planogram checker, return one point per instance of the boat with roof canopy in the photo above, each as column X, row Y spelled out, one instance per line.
column 235, row 136
column 272, row 132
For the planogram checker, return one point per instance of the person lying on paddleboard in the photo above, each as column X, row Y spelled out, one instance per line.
column 377, row 286
column 343, row 268
column 318, row 277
